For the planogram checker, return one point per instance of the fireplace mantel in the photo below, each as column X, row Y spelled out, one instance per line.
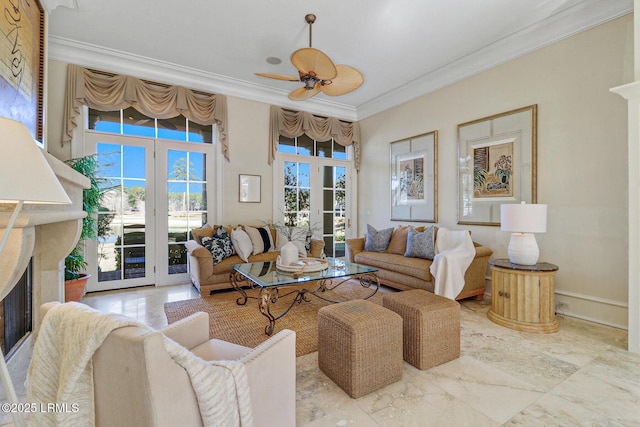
column 45, row 234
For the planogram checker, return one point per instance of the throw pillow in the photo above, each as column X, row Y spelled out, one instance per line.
column 261, row 239
column 398, row 243
column 219, row 245
column 198, row 233
column 241, row 243
column 298, row 237
column 420, row 244
column 377, row 241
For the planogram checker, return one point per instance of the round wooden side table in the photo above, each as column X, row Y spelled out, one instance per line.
column 522, row 296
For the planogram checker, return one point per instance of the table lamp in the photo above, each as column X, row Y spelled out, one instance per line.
column 522, row 220
column 25, row 177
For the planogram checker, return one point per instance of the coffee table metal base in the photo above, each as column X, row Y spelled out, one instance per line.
column 270, row 295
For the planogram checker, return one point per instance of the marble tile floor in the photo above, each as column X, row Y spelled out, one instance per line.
column 581, row 375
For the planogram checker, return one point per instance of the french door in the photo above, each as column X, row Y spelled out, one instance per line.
column 315, row 191
column 155, row 192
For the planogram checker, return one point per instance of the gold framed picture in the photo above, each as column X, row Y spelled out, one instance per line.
column 496, row 164
column 22, row 35
column 414, row 178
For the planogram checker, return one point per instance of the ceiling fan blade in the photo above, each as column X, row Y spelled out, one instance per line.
column 309, row 60
column 303, row 93
column 279, row 77
column 347, row 80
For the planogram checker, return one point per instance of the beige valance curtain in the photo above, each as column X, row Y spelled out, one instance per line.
column 295, row 123
column 106, row 92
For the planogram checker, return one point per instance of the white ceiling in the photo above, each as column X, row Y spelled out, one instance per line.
column 404, row 48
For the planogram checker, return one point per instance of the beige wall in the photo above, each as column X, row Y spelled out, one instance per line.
column 582, row 158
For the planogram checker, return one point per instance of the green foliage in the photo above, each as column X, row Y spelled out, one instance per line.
column 75, row 262
column 479, row 178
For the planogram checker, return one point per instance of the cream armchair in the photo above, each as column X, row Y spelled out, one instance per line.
column 136, row 383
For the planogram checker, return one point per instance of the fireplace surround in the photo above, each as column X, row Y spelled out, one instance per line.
column 44, row 235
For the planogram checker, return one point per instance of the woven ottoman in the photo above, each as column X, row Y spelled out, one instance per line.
column 431, row 326
column 360, row 346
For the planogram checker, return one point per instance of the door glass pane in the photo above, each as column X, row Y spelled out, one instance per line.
column 333, row 207
column 187, row 194
column 121, row 219
column 297, row 193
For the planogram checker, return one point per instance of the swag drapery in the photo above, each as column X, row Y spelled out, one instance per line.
column 106, row 92
column 295, row 123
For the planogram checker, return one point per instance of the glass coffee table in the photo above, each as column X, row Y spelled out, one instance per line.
column 273, row 284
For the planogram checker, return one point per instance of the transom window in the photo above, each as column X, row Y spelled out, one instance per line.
column 305, row 146
column 132, row 122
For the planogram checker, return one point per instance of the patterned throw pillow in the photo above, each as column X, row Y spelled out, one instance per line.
column 420, row 244
column 198, row 233
column 377, row 241
column 219, row 245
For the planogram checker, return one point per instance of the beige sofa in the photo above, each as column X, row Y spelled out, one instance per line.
column 207, row 277
column 137, row 383
column 400, row 272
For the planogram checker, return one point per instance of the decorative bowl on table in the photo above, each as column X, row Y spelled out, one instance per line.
column 303, row 265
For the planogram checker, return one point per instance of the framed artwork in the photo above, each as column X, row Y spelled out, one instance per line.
column 414, row 178
column 249, row 189
column 22, row 32
column 496, row 164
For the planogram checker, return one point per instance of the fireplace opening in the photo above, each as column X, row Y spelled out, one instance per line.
column 16, row 316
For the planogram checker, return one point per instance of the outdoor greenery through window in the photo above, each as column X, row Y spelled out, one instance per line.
column 316, row 167
column 133, row 167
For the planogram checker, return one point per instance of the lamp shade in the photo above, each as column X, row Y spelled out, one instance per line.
column 523, row 218
column 25, row 174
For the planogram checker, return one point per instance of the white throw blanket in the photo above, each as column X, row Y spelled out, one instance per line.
column 454, row 254
column 61, row 371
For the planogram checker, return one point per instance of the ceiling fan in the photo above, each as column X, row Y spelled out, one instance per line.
column 318, row 72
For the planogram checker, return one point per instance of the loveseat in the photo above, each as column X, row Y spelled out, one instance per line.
column 404, row 272
column 207, row 275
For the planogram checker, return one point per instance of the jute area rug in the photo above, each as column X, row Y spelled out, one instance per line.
column 245, row 325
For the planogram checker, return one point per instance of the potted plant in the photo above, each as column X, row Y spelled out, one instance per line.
column 75, row 263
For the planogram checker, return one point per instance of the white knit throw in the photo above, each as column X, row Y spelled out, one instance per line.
column 454, row 254
column 61, row 371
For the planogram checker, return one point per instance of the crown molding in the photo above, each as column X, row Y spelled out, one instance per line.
column 571, row 21
column 92, row 56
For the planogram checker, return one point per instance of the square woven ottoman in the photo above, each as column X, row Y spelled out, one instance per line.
column 431, row 326
column 360, row 346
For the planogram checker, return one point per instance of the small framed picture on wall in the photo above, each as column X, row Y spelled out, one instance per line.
column 249, row 188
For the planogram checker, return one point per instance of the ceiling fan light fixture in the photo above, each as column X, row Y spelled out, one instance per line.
column 309, row 82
